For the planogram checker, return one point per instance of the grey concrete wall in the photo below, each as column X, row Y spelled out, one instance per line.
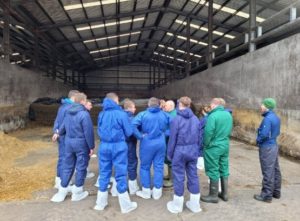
column 129, row 74
column 272, row 71
column 18, row 88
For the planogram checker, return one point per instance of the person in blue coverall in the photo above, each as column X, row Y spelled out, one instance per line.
column 150, row 127
column 61, row 113
column 129, row 108
column 268, row 132
column 183, row 151
column 79, row 144
column 114, row 128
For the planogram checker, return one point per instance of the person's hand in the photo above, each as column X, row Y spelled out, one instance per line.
column 91, row 152
column 54, row 137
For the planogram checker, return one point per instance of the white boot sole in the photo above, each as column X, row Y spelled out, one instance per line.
column 194, row 210
column 99, row 208
column 171, row 208
column 142, row 195
column 79, row 197
column 133, row 207
column 58, row 199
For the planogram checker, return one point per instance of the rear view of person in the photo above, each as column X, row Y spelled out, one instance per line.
column 183, row 150
column 113, row 129
column 150, row 127
column 216, row 150
column 61, row 113
column 129, row 108
column 79, row 140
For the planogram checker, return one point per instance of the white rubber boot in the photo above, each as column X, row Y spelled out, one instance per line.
column 113, row 190
column 101, row 201
column 89, row 174
column 156, row 193
column 60, row 195
column 145, row 193
column 97, row 182
column 78, row 193
column 176, row 205
column 200, row 163
column 57, row 182
column 194, row 203
column 133, row 187
column 125, row 203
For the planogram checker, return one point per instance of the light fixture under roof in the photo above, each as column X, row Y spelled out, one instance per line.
column 168, row 56
column 192, row 40
column 178, row 21
column 111, row 37
column 228, row 10
column 113, row 48
column 92, row 4
column 110, row 24
column 178, row 50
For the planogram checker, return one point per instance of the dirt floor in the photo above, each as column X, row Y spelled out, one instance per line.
column 27, row 171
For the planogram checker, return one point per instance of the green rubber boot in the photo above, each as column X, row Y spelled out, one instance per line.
column 212, row 197
column 224, row 186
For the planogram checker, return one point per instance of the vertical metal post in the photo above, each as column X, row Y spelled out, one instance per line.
column 36, row 60
column 293, row 14
column 210, row 33
column 188, row 47
column 78, row 80
column 252, row 24
column 158, row 83
column 259, row 31
column 154, row 76
column 165, row 71
column 227, row 47
column 150, row 75
column 73, row 77
column 6, row 32
column 65, row 72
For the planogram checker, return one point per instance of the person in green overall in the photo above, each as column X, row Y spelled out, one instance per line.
column 216, row 150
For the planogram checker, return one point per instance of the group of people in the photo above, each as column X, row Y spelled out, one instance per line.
column 167, row 133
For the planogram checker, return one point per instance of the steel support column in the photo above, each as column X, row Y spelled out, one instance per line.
column 36, row 51
column 6, row 32
column 210, row 34
column 188, row 47
column 252, row 24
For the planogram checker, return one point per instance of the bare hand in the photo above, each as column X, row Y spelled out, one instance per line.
column 91, row 152
column 54, row 137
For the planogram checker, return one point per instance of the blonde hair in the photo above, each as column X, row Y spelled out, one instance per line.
column 185, row 101
column 80, row 97
column 128, row 103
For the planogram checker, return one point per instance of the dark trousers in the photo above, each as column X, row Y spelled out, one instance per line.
column 271, row 183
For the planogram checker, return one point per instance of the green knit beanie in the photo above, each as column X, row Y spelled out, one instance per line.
column 269, row 103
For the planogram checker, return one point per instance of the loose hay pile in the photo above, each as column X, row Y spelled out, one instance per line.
column 18, row 181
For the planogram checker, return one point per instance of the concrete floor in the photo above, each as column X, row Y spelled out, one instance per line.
column 245, row 181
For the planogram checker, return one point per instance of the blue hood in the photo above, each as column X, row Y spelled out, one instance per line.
column 129, row 114
column 109, row 104
column 75, row 108
column 154, row 109
column 186, row 113
column 66, row 101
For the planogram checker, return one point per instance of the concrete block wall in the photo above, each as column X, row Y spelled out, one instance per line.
column 18, row 88
column 272, row 71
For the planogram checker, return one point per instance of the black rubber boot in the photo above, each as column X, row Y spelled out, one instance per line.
column 213, row 193
column 224, row 187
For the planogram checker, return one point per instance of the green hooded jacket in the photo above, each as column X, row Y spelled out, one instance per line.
column 218, row 128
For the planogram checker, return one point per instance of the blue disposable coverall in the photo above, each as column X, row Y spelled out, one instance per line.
column 65, row 104
column 113, row 128
column 183, row 151
column 202, row 127
column 152, row 124
column 79, row 140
